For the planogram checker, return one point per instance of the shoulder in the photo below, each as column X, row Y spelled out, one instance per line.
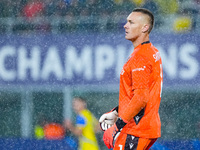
column 80, row 120
column 86, row 112
column 148, row 52
column 139, row 57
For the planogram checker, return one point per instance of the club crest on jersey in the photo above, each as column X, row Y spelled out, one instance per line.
column 156, row 56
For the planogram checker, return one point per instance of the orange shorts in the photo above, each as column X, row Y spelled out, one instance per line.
column 130, row 142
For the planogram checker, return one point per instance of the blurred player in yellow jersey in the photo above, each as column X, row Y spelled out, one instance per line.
column 86, row 125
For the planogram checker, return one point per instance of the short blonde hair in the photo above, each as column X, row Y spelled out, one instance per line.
column 149, row 14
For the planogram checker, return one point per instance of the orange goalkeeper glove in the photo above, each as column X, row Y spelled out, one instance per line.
column 110, row 134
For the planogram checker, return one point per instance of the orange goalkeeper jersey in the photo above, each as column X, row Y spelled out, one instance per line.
column 142, row 71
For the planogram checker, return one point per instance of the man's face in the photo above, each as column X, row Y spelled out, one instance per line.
column 134, row 26
column 77, row 105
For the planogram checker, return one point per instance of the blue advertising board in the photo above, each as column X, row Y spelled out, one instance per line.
column 32, row 144
column 92, row 59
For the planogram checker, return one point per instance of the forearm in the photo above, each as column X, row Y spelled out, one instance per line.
column 76, row 131
column 136, row 104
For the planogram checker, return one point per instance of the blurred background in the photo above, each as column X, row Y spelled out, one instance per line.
column 53, row 50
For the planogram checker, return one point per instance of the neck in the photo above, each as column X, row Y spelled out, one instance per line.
column 140, row 40
column 81, row 110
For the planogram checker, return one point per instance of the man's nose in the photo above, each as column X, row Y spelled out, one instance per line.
column 125, row 26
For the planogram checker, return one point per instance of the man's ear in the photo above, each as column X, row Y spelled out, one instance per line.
column 145, row 28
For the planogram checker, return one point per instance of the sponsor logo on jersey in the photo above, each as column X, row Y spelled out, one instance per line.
column 131, row 145
column 139, row 69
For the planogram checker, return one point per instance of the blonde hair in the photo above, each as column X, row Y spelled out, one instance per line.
column 149, row 14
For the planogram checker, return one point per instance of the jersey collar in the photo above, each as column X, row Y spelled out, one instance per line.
column 146, row 42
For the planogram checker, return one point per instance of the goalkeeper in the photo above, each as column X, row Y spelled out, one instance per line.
column 135, row 123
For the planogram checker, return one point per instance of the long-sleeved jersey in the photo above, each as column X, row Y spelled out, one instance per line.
column 140, row 92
